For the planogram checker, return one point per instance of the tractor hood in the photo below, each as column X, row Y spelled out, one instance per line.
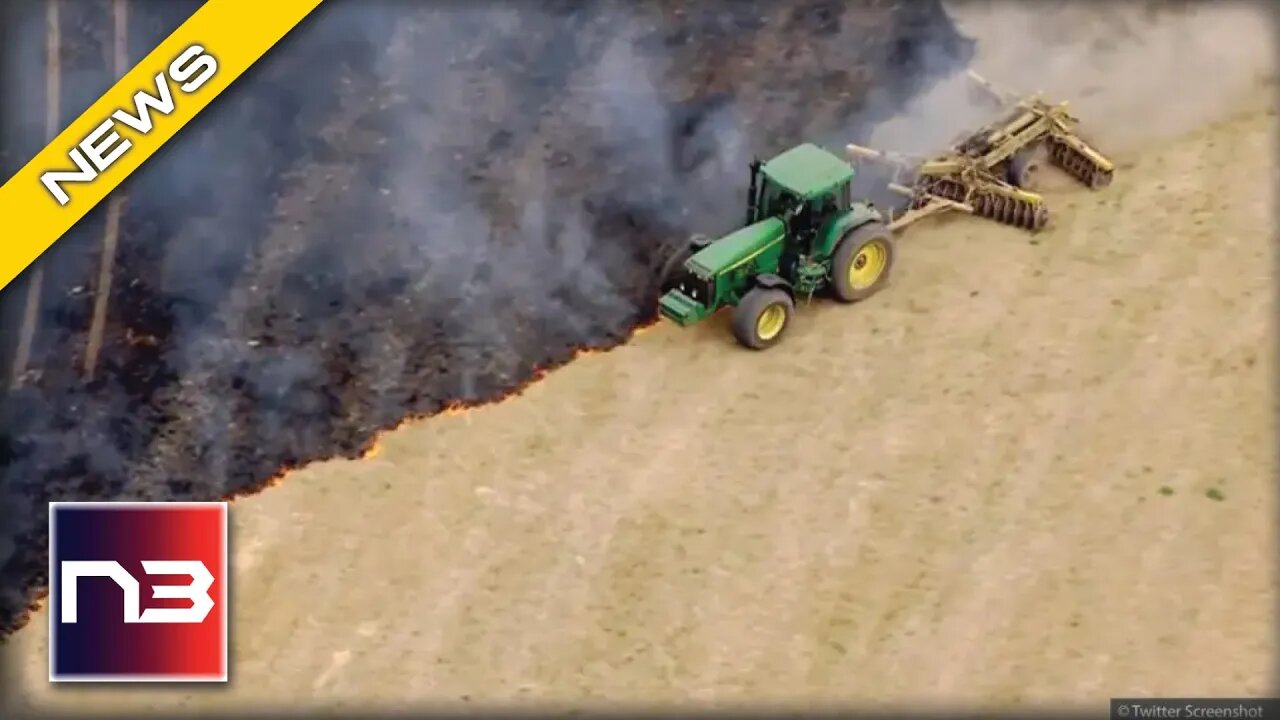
column 737, row 247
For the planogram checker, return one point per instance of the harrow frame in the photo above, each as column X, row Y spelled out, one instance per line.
column 990, row 173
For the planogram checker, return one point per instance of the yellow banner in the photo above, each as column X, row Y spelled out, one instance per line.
column 154, row 100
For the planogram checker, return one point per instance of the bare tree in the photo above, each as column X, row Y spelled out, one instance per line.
column 115, row 206
column 53, row 109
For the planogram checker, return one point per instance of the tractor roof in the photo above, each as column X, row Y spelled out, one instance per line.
column 808, row 171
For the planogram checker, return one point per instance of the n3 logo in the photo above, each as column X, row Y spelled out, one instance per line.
column 197, row 591
column 138, row 592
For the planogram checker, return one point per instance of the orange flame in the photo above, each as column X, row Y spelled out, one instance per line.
column 454, row 407
column 375, row 444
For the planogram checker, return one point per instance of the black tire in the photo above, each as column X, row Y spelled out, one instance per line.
column 1024, row 169
column 748, row 313
column 671, row 269
column 868, row 236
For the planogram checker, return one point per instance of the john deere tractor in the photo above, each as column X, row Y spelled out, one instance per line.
column 804, row 235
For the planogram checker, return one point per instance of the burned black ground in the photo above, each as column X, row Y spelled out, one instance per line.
column 407, row 205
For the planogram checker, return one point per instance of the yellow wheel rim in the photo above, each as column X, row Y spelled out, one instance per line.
column 868, row 265
column 770, row 322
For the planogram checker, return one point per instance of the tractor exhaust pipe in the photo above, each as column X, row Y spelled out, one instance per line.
column 753, row 190
column 858, row 152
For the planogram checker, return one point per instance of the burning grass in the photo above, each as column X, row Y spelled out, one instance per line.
column 373, row 446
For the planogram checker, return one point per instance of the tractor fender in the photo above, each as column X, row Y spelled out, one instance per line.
column 770, row 281
column 861, row 214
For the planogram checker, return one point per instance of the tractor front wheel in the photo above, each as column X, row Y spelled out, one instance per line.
column 671, row 270
column 761, row 317
column 862, row 262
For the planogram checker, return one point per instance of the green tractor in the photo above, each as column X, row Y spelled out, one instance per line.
column 804, row 234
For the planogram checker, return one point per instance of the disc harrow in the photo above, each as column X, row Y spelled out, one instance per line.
column 986, row 173
column 1079, row 166
column 1017, row 212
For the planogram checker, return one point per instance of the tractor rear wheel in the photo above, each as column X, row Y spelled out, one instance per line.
column 862, row 262
column 761, row 317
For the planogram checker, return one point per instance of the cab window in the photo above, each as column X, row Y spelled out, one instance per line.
column 776, row 201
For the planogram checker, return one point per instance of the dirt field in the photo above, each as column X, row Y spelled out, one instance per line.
column 1025, row 473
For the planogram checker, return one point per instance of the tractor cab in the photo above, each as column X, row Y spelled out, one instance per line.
column 806, row 186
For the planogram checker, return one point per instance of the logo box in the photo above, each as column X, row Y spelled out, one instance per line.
column 137, row 592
